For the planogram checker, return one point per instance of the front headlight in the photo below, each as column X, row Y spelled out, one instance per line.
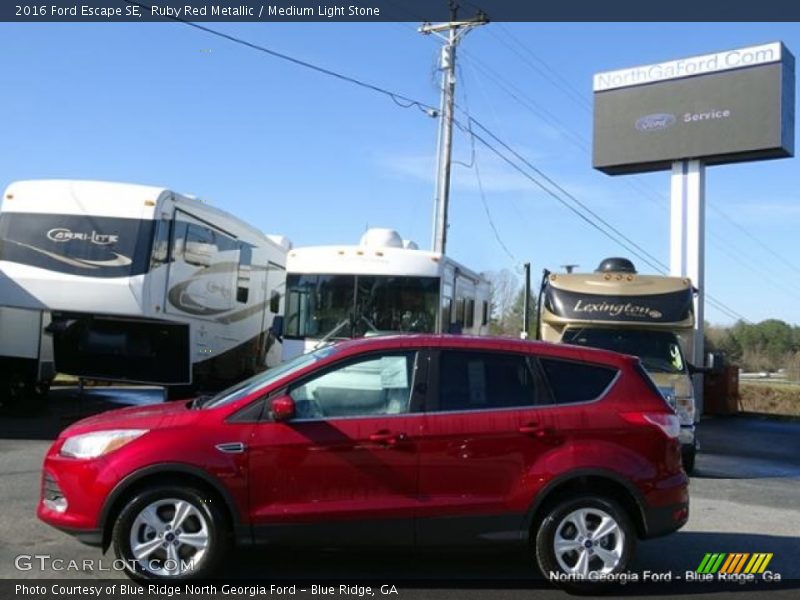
column 686, row 410
column 98, row 443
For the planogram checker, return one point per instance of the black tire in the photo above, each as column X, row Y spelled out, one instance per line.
column 559, row 518
column 202, row 518
column 688, row 458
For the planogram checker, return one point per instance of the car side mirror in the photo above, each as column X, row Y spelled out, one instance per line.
column 282, row 408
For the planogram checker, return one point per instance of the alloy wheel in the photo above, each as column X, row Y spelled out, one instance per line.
column 588, row 540
column 169, row 537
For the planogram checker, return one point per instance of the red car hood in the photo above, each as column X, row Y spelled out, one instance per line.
column 153, row 416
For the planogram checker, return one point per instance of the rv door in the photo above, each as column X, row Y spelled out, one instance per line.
column 202, row 271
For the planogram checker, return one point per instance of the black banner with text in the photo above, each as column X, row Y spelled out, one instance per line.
column 393, row 10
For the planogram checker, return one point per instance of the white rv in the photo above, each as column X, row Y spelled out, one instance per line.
column 382, row 285
column 143, row 284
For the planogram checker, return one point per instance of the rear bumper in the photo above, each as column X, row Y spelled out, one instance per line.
column 672, row 512
column 665, row 519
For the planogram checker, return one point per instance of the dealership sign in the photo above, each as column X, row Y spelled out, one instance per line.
column 720, row 108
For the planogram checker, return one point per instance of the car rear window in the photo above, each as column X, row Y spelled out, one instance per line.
column 572, row 381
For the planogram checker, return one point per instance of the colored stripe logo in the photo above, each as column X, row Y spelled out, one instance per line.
column 737, row 562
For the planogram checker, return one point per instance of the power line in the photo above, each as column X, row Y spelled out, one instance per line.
column 407, row 102
column 527, row 102
column 570, row 196
column 481, row 88
column 497, row 235
column 544, row 70
column 399, row 99
column 474, row 166
column 543, row 187
column 580, row 142
column 565, row 86
column 718, row 305
column 755, row 239
column 635, row 249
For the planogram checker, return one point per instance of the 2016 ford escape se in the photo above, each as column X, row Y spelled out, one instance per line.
column 419, row 441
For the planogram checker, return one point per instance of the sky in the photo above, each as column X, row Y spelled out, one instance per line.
column 319, row 160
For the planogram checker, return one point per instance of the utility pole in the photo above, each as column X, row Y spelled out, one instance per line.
column 451, row 33
column 526, row 303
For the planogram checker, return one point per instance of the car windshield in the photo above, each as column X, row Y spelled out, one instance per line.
column 659, row 351
column 264, row 379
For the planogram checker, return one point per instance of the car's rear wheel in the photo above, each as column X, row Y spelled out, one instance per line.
column 172, row 533
column 583, row 542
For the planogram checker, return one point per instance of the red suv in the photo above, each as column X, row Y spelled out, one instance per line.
column 419, row 441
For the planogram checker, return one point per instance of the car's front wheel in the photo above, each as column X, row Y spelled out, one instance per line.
column 584, row 541
column 169, row 532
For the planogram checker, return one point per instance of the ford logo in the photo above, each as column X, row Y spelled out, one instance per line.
column 655, row 122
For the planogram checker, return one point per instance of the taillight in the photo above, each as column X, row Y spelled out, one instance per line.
column 669, row 424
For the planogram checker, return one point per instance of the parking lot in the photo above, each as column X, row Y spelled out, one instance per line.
column 745, row 498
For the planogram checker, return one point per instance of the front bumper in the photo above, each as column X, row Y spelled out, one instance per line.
column 90, row 537
column 82, row 486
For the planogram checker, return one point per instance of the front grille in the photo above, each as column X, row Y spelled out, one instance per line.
column 52, row 496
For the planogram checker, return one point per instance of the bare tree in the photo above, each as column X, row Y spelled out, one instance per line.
column 505, row 289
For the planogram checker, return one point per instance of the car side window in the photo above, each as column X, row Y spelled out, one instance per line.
column 370, row 386
column 572, row 381
column 484, row 380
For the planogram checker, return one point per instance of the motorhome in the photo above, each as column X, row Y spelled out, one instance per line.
column 649, row 316
column 143, row 284
column 384, row 284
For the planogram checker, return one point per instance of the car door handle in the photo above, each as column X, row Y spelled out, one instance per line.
column 231, row 447
column 387, row 438
column 536, row 429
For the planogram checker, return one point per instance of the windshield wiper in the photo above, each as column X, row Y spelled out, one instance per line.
column 339, row 326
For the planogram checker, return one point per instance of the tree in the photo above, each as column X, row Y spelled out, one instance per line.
column 504, row 289
column 721, row 339
column 515, row 314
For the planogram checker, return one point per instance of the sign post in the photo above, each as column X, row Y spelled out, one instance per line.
column 687, row 246
column 720, row 108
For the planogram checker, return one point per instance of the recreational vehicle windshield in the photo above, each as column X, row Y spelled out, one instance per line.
column 144, row 284
column 384, row 284
column 649, row 316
